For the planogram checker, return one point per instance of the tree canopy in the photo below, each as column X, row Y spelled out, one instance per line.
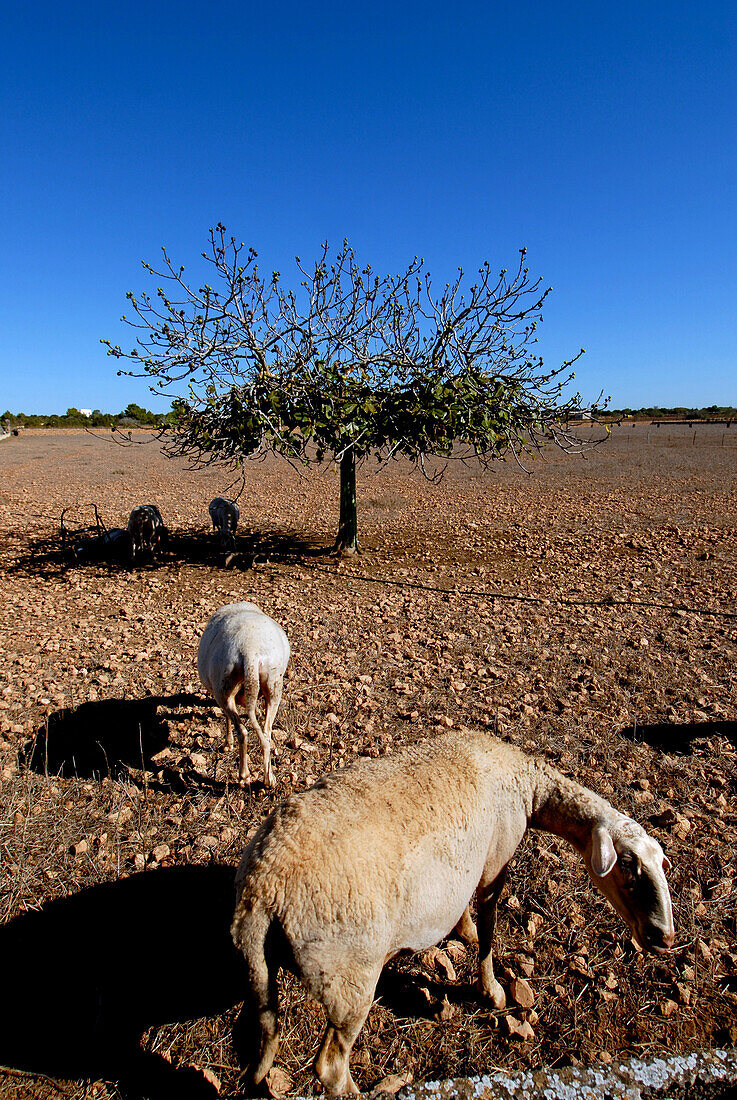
column 347, row 364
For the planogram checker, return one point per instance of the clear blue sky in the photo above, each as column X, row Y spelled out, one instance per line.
column 602, row 136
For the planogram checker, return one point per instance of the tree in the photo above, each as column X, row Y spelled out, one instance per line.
column 138, row 414
column 347, row 365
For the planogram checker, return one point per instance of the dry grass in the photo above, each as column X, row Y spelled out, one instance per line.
column 586, row 613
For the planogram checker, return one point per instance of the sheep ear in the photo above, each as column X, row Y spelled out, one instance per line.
column 603, row 854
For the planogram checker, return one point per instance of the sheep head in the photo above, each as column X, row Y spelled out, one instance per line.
column 628, row 867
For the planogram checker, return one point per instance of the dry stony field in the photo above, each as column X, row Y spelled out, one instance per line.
column 586, row 611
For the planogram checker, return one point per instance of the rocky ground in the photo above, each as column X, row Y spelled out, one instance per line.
column 586, row 612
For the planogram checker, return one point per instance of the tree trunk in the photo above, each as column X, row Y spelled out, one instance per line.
column 347, row 538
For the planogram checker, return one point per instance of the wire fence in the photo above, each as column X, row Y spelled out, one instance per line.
column 678, row 434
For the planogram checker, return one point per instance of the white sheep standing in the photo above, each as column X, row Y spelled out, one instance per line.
column 243, row 654
column 146, row 530
column 224, row 514
column 386, row 854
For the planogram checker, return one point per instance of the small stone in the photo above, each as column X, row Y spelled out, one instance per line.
column 667, row 1008
column 393, row 1083
column 518, row 1029
column 206, row 841
column 533, row 925
column 522, row 993
column 456, row 950
column 525, row 965
column 665, row 818
column 79, row 848
column 579, row 965
column 278, row 1081
column 438, row 959
column 683, row 993
column 161, row 852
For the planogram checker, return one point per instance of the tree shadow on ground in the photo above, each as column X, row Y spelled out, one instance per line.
column 679, row 737
column 86, row 976
column 44, row 555
column 105, row 737
column 251, row 548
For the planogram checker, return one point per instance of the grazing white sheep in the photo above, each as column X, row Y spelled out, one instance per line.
column 224, row 514
column 146, row 530
column 386, row 855
column 243, row 654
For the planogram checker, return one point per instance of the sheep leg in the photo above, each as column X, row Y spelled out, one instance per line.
column 257, row 1046
column 347, row 997
column 487, row 897
column 228, row 733
column 272, row 689
column 331, row 1064
column 269, row 780
column 466, row 927
column 231, row 715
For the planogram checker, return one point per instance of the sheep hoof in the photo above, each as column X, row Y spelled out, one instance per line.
column 243, row 781
column 466, row 929
column 494, row 993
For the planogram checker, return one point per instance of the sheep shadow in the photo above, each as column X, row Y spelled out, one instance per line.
column 409, row 993
column 679, row 737
column 106, row 737
column 85, row 976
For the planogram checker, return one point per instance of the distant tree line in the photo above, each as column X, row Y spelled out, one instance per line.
column 680, row 412
column 135, row 416
column 132, row 416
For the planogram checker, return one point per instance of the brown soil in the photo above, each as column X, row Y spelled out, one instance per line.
column 586, row 612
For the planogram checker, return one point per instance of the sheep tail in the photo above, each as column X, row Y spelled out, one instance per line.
column 248, row 692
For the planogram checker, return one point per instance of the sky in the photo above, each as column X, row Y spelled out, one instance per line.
column 600, row 136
